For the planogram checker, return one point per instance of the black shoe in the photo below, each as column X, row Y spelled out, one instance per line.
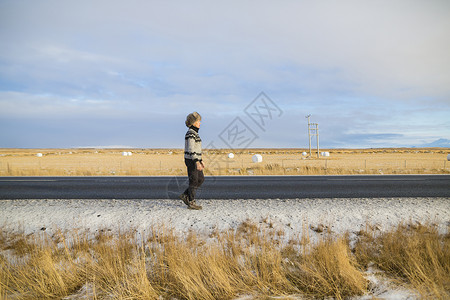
column 194, row 206
column 185, row 199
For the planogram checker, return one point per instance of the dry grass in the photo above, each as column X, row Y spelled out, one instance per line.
column 328, row 269
column 416, row 254
column 91, row 162
column 250, row 260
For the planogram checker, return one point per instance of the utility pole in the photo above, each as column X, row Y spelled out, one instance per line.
column 309, row 135
column 313, row 130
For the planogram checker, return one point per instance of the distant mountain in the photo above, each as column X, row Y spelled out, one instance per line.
column 444, row 143
column 104, row 147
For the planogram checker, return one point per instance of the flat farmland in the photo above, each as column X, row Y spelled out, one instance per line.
column 109, row 162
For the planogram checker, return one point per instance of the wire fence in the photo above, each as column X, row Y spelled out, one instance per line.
column 327, row 166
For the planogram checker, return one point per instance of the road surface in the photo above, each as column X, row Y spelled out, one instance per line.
column 226, row 187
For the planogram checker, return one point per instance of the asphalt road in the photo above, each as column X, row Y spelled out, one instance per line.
column 232, row 187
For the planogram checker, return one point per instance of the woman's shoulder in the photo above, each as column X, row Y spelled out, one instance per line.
column 191, row 133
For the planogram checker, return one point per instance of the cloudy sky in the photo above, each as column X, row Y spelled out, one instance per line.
column 104, row 73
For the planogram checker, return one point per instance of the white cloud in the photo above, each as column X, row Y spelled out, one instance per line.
column 23, row 105
column 383, row 46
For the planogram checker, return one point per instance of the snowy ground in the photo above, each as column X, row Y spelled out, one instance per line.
column 292, row 216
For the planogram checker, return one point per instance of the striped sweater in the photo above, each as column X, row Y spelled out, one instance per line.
column 192, row 145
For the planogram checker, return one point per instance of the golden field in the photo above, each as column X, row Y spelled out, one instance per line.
column 100, row 162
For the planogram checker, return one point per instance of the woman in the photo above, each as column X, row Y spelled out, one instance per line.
column 193, row 160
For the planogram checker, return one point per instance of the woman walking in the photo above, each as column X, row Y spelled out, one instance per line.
column 193, row 160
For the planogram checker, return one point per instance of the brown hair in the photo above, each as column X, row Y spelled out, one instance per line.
column 192, row 118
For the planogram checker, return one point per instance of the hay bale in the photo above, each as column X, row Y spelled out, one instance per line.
column 257, row 158
column 231, row 155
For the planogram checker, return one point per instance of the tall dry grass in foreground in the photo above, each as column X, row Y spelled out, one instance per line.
column 249, row 260
column 414, row 253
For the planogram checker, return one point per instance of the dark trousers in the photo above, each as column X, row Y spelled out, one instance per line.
column 196, row 179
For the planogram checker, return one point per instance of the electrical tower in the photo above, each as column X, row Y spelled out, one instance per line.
column 313, row 130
